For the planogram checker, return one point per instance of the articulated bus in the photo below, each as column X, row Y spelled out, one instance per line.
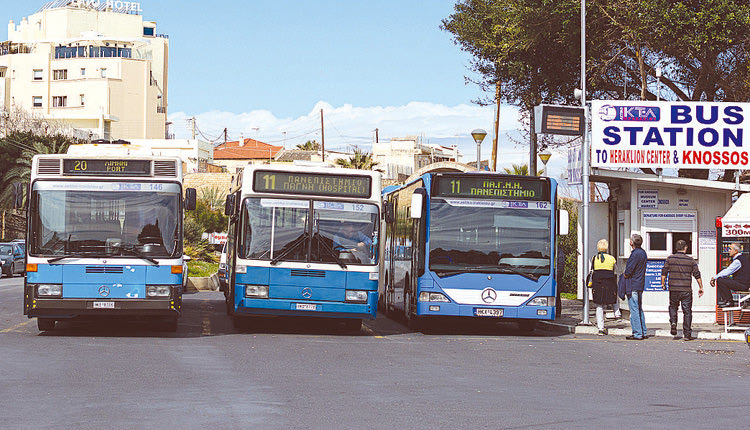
column 474, row 245
column 303, row 241
column 104, row 236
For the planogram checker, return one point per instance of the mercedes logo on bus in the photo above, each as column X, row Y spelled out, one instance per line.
column 307, row 292
column 104, row 291
column 489, row 295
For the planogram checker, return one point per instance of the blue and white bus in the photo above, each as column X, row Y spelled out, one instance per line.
column 303, row 241
column 104, row 236
column 475, row 245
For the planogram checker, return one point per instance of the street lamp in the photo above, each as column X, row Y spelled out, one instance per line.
column 544, row 156
column 478, row 134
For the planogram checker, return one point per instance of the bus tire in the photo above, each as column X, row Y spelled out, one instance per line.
column 45, row 324
column 353, row 325
column 527, row 326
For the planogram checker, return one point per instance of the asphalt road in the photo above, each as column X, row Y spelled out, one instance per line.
column 312, row 374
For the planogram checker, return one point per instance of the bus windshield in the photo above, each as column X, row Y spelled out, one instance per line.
column 489, row 237
column 105, row 219
column 280, row 230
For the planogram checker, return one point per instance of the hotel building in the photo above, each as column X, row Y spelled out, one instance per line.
column 93, row 64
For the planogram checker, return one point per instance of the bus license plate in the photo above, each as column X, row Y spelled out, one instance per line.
column 104, row 305
column 306, row 307
column 489, row 312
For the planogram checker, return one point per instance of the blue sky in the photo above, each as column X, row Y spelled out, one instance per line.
column 265, row 67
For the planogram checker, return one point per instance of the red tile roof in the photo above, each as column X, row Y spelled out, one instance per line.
column 251, row 150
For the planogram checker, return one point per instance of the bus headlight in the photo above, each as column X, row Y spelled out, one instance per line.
column 426, row 296
column 541, row 301
column 157, row 290
column 356, row 296
column 49, row 290
column 256, row 291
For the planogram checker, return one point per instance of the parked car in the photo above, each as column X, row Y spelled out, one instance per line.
column 13, row 258
column 21, row 243
column 223, row 275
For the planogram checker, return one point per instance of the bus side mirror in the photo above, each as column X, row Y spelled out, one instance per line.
column 229, row 205
column 190, row 198
column 564, row 220
column 388, row 211
column 417, row 201
column 18, row 194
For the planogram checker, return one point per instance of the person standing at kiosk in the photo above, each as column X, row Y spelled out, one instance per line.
column 635, row 282
column 739, row 269
column 680, row 267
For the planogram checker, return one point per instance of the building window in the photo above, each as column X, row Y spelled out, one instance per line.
column 148, row 31
column 104, row 72
column 37, row 74
column 60, row 75
column 2, row 73
column 59, row 101
column 83, row 72
column 83, row 100
column 36, row 101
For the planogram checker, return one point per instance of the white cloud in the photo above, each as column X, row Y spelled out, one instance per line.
column 350, row 125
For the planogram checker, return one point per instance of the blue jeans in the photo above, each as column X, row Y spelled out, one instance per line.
column 637, row 319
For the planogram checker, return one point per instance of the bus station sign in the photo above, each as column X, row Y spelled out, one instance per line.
column 677, row 135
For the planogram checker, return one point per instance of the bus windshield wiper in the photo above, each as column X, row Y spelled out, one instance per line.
column 82, row 254
column 501, row 268
column 138, row 254
column 330, row 250
column 292, row 246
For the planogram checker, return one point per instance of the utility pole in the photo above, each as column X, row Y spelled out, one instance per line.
column 376, row 136
column 322, row 136
column 532, row 144
column 225, row 136
column 497, row 125
column 192, row 121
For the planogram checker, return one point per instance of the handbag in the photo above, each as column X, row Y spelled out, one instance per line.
column 589, row 280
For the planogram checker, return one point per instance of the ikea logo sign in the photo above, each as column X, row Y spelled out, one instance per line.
column 629, row 113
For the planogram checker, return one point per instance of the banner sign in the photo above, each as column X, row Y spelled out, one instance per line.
column 574, row 165
column 735, row 229
column 676, row 135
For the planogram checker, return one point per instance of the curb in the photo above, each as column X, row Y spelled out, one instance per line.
column 203, row 283
column 592, row 330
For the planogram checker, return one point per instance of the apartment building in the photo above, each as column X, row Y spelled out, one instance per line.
column 402, row 156
column 96, row 65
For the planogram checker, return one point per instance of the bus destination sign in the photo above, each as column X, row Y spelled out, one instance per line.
column 104, row 167
column 486, row 187
column 271, row 181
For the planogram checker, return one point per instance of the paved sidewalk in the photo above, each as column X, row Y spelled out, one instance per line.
column 572, row 315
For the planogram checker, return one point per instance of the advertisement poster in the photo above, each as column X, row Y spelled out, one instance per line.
column 653, row 275
column 675, row 135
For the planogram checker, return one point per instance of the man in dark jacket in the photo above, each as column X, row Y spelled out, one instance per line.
column 635, row 282
column 680, row 267
column 739, row 270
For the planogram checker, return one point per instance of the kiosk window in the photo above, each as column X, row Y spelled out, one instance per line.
column 657, row 240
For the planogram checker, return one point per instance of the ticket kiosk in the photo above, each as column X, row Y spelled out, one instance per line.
column 663, row 210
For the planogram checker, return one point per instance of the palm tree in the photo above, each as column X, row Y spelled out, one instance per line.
column 20, row 171
column 520, row 169
column 310, row 145
column 360, row 160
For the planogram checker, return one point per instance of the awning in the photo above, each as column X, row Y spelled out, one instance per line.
column 736, row 222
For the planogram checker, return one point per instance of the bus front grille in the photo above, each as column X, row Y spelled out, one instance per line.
column 104, row 269
column 309, row 273
column 165, row 168
column 48, row 166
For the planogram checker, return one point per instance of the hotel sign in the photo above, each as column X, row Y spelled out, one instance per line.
column 103, row 5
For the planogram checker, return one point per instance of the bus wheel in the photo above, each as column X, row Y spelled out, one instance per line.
column 353, row 325
column 45, row 324
column 527, row 326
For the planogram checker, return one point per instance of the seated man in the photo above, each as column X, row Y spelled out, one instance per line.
column 739, row 269
column 350, row 239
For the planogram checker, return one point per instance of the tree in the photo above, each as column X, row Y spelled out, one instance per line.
column 568, row 246
column 360, row 160
column 532, row 49
column 310, row 145
column 519, row 169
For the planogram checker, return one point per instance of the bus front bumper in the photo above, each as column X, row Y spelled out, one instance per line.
column 68, row 308
column 287, row 307
column 513, row 312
